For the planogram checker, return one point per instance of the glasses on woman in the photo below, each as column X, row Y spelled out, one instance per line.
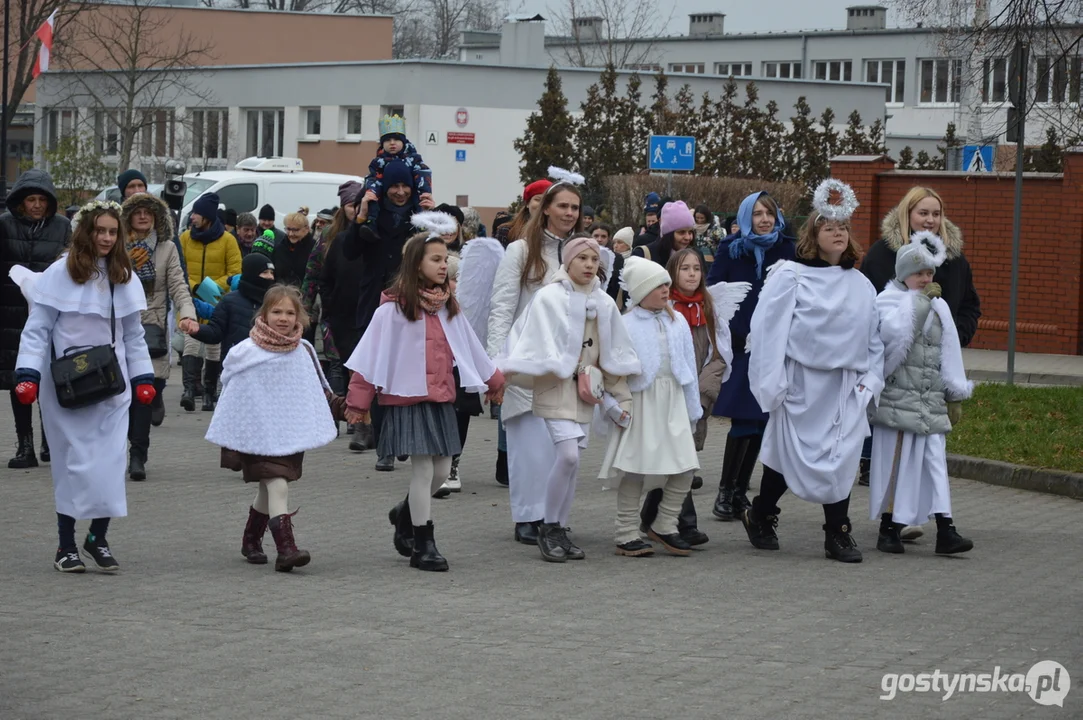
column 295, row 230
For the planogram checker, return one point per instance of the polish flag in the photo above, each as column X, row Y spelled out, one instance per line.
column 45, row 34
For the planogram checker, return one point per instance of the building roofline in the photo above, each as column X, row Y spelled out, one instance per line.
column 248, row 11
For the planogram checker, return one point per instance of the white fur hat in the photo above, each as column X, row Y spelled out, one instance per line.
column 640, row 277
column 925, row 251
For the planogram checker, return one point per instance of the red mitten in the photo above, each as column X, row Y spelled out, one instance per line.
column 26, row 392
column 145, row 394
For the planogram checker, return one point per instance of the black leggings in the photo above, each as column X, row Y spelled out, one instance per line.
column 773, row 487
column 464, row 426
column 24, row 418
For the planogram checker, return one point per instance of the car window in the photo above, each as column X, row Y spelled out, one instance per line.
column 286, row 196
column 196, row 187
column 241, row 197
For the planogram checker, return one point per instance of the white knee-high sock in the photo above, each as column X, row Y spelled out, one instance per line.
column 260, row 503
column 421, row 480
column 561, row 477
column 565, row 511
column 629, row 492
column 277, row 496
column 441, row 468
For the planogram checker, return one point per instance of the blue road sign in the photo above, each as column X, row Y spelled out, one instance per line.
column 978, row 158
column 460, row 156
column 672, row 152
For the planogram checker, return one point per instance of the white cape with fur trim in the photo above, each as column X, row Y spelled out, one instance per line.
column 391, row 354
column 547, row 339
column 272, row 403
column 895, row 306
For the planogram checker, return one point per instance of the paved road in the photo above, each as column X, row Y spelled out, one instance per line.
column 188, row 630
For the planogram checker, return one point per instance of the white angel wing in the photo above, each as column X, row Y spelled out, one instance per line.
column 477, row 269
column 25, row 278
column 727, row 297
column 608, row 258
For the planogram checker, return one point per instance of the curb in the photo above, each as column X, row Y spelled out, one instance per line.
column 1021, row 477
column 999, row 376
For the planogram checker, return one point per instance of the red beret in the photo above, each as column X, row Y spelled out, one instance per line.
column 536, row 188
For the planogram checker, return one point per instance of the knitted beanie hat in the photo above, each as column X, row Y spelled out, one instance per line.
column 626, row 235
column 640, row 276
column 266, row 213
column 676, row 216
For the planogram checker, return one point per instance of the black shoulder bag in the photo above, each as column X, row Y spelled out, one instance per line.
column 89, row 374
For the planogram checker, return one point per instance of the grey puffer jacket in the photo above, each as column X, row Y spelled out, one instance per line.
column 914, row 399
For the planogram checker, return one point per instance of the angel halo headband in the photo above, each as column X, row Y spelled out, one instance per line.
column 100, row 205
column 841, row 211
column 437, row 224
column 563, row 177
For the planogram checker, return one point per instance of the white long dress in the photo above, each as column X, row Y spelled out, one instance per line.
column 88, row 444
column 816, row 363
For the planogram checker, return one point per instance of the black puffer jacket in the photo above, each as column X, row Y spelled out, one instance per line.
column 340, row 291
column 291, row 260
column 955, row 278
column 32, row 244
column 378, row 246
column 233, row 317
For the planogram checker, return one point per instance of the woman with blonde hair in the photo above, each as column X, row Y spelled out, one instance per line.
column 291, row 257
column 89, row 298
column 816, row 362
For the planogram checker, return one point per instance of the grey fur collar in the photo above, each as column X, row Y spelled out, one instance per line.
column 949, row 233
column 163, row 218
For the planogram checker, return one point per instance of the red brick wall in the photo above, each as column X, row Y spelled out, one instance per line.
column 1049, row 318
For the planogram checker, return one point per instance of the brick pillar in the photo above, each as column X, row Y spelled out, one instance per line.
column 861, row 173
column 1073, row 227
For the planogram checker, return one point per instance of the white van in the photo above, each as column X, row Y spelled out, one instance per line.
column 255, row 182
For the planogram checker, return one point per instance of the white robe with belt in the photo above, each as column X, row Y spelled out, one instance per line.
column 88, row 444
column 816, row 363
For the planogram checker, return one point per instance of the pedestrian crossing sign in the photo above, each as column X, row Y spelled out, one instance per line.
column 978, row 158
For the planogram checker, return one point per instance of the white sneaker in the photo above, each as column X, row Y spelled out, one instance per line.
column 911, row 532
column 454, row 484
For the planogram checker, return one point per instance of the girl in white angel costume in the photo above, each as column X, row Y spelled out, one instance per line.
column 571, row 336
column 816, row 362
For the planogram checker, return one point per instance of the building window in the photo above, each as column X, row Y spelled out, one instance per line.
column 392, row 110
column 353, row 122
column 888, row 72
column 994, row 86
column 265, row 132
column 156, row 135
column 643, row 67
column 1057, row 80
column 58, row 124
column 782, row 70
column 686, row 68
column 210, row 133
column 833, row 70
column 940, row 81
column 106, row 134
column 733, row 69
column 310, row 120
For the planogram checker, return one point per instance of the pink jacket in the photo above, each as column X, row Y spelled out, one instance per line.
column 439, row 381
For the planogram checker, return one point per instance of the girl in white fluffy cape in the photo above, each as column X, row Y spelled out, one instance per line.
column 571, row 330
column 657, row 442
column 924, row 387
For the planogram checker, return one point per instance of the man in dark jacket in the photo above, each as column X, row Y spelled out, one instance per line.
column 378, row 245
column 236, row 311
column 267, row 222
column 32, row 235
column 652, row 211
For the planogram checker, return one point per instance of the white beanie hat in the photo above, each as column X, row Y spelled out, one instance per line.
column 640, row 277
column 627, row 234
column 925, row 251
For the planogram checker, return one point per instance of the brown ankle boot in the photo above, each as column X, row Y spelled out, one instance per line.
column 289, row 556
column 252, row 541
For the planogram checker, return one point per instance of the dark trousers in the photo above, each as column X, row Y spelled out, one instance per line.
column 139, row 422
column 24, row 419
column 686, row 520
column 377, row 413
column 773, row 487
column 463, row 419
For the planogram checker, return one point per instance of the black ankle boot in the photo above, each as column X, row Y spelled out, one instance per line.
column 749, row 458
column 425, row 555
column 688, row 523
column 191, row 369
column 24, row 453
column 549, row 536
column 404, row 528
column 839, row 544
column 948, row 539
column 888, row 540
column 137, row 467
column 502, row 467
column 211, row 373
column 731, row 460
column 760, row 528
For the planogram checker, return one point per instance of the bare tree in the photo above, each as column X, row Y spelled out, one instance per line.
column 138, row 68
column 599, row 33
column 983, row 34
column 27, row 16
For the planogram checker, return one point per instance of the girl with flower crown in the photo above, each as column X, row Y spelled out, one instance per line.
column 406, row 360
column 569, row 348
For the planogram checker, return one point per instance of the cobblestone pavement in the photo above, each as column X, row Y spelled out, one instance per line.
column 188, row 630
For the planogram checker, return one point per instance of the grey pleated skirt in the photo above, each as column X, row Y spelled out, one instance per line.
column 426, row 428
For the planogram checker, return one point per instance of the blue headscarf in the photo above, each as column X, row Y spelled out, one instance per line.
column 748, row 241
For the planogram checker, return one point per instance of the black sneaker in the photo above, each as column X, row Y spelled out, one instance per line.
column 69, row 561
column 761, row 531
column 950, row 542
column 840, row 545
column 98, row 550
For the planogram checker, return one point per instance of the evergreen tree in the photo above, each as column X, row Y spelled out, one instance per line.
column 602, row 145
column 547, row 139
column 725, row 115
column 768, row 140
column 634, row 122
column 710, row 138
column 801, row 150
column 854, row 141
column 685, row 121
column 906, row 159
column 876, row 138
column 661, row 113
column 948, row 149
column 829, row 137
column 1049, row 157
column 923, row 161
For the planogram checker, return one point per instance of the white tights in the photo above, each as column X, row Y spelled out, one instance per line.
column 428, row 473
column 560, row 485
column 271, row 497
